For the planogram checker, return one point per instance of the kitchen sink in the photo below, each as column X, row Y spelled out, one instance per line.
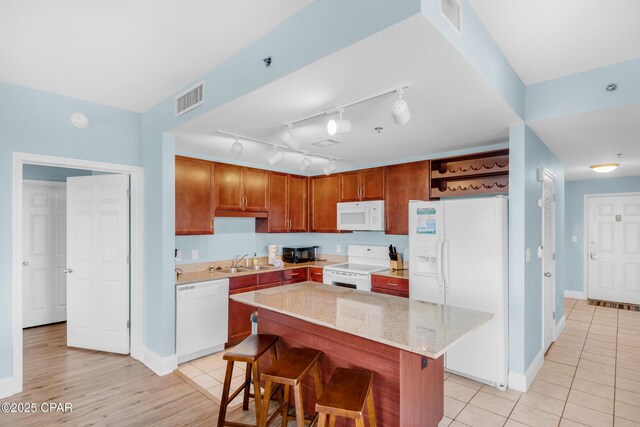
column 232, row 270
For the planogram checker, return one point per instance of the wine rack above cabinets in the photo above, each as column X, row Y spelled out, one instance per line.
column 474, row 174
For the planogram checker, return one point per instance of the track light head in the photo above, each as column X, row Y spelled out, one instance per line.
column 288, row 138
column 304, row 165
column 400, row 110
column 330, row 168
column 338, row 126
column 275, row 157
column 236, row 148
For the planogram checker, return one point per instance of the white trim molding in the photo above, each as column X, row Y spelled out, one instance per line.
column 575, row 294
column 136, row 174
column 522, row 382
column 158, row 364
column 559, row 328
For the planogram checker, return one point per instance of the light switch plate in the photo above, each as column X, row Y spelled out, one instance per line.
column 528, row 255
column 339, row 249
column 178, row 255
column 574, row 239
column 194, row 254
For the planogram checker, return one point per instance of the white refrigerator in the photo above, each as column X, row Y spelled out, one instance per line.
column 459, row 256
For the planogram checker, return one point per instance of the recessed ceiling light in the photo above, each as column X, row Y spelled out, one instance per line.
column 605, row 168
column 611, row 87
column 79, row 120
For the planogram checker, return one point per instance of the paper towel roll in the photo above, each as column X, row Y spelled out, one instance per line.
column 271, row 252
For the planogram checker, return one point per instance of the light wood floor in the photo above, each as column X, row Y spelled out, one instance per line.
column 103, row 388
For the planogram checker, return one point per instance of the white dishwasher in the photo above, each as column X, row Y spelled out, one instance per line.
column 201, row 318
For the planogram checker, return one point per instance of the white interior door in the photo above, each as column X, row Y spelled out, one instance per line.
column 98, row 262
column 548, row 257
column 613, row 248
column 44, row 253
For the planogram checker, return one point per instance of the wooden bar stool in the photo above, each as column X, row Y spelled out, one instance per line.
column 289, row 371
column 248, row 351
column 345, row 396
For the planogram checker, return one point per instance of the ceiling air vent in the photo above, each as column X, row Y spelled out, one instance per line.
column 325, row 142
column 190, row 99
column 450, row 12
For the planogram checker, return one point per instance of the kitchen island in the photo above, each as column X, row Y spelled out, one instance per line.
column 400, row 340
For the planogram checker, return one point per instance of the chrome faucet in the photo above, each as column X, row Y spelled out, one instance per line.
column 237, row 259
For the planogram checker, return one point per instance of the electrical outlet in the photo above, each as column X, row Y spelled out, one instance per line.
column 178, row 255
column 339, row 249
column 528, row 255
column 574, row 239
column 194, row 254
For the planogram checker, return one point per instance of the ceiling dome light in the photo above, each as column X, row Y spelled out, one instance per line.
column 400, row 110
column 330, row 168
column 236, row 148
column 275, row 157
column 306, row 162
column 79, row 120
column 288, row 138
column 339, row 126
column 605, row 168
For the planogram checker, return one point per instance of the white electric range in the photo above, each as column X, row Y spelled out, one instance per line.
column 356, row 272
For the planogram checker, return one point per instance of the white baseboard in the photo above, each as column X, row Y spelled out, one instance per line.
column 559, row 327
column 522, row 382
column 9, row 386
column 575, row 294
column 160, row 365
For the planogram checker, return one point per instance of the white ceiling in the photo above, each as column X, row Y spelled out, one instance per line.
column 592, row 138
column 547, row 39
column 127, row 54
column 452, row 107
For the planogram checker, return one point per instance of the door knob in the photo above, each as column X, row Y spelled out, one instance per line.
column 25, row 263
column 67, row 271
column 547, row 274
column 593, row 256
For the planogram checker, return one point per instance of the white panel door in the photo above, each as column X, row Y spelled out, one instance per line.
column 44, row 237
column 97, row 263
column 613, row 248
column 475, row 258
column 548, row 258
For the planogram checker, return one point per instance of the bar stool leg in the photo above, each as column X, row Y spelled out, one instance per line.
column 372, row 409
column 297, row 397
column 359, row 422
column 257, row 399
column 225, row 394
column 317, row 380
column 332, row 421
column 322, row 420
column 247, row 381
column 264, row 409
column 285, row 409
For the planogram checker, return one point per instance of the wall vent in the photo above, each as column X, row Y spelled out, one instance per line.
column 450, row 12
column 325, row 143
column 190, row 99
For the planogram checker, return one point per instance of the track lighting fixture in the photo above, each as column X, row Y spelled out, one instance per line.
column 400, row 109
column 306, row 162
column 339, row 126
column 330, row 168
column 288, row 138
column 237, row 147
column 275, row 157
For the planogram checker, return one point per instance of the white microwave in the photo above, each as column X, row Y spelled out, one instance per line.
column 361, row 216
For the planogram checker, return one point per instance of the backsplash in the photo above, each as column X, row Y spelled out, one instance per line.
column 237, row 236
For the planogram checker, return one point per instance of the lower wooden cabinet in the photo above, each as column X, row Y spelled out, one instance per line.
column 396, row 286
column 295, row 275
column 316, row 274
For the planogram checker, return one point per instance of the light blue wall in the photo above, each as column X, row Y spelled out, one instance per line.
column 299, row 41
column 37, row 122
column 50, row 173
column 574, row 220
column 527, row 154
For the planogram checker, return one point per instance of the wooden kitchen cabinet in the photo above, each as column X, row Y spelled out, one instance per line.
column 240, row 189
column 287, row 204
column 365, row 184
column 316, row 274
column 404, row 182
column 324, row 194
column 295, row 275
column 193, row 196
column 397, row 286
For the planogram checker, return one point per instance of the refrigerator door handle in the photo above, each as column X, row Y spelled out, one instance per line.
column 440, row 265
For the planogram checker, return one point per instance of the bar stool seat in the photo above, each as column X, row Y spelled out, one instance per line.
column 289, row 371
column 248, row 351
column 345, row 395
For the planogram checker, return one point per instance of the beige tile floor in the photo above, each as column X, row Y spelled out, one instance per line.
column 591, row 377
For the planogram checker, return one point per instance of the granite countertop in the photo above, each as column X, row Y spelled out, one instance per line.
column 205, row 275
column 419, row 327
column 400, row 274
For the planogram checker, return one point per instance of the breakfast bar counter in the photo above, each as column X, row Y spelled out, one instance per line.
column 401, row 341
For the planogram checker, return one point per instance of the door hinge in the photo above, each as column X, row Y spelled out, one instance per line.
column 129, row 323
column 129, row 193
column 554, row 315
column 554, row 256
column 554, row 197
column 129, row 259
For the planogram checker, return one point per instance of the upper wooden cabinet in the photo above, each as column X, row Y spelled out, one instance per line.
column 287, row 204
column 194, row 196
column 324, row 194
column 240, row 189
column 366, row 184
column 404, row 182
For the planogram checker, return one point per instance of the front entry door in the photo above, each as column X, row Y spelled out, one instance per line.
column 613, row 248
column 98, row 263
column 548, row 257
